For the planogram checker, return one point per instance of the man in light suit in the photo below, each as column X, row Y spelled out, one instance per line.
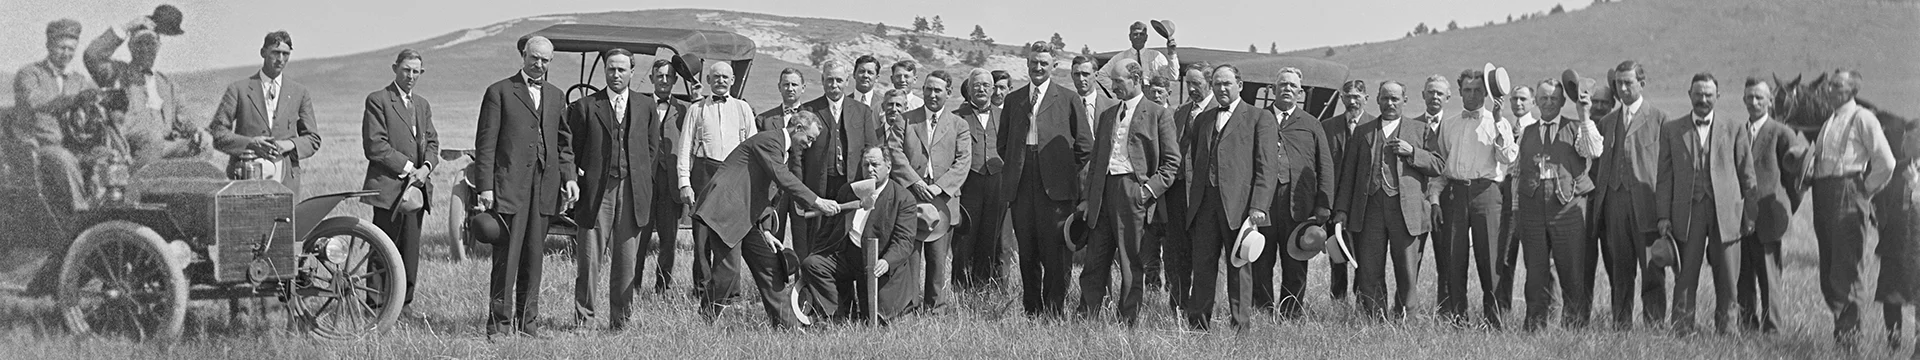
column 1176, row 245
column 744, row 204
column 1045, row 144
column 976, row 245
column 613, row 143
column 1777, row 157
column 267, row 117
column 938, row 150
column 1135, row 156
column 523, row 151
column 401, row 145
column 1303, row 193
column 1234, row 165
column 1384, row 179
column 669, row 115
column 1625, row 176
column 891, row 219
column 1353, row 97
column 41, row 92
column 1706, row 179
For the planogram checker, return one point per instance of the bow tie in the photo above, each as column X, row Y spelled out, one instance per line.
column 1702, row 122
column 790, row 111
column 535, row 82
column 720, row 98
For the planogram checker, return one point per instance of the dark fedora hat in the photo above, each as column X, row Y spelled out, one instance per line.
column 1075, row 230
column 487, row 227
column 1306, row 240
column 166, row 20
column 1664, row 252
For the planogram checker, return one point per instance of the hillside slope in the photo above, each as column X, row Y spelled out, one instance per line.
column 1675, row 39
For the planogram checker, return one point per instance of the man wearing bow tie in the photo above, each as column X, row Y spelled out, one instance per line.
column 1551, row 185
column 670, row 115
column 976, row 245
column 267, row 117
column 614, row 145
column 792, row 83
column 715, row 125
column 1477, row 145
column 1233, row 169
column 524, row 153
column 1706, row 177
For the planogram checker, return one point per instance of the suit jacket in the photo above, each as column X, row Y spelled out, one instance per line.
column 1100, row 105
column 592, row 123
column 1777, row 156
column 667, row 129
column 853, row 130
column 1172, row 207
column 1561, row 158
column 1306, row 168
column 1412, row 173
column 1338, row 133
column 519, row 148
column 1430, row 141
column 1630, row 164
column 945, row 153
column 986, row 145
column 242, row 115
column 1728, row 177
column 745, row 192
column 393, row 135
column 1153, row 150
column 774, row 118
column 894, row 222
column 1065, row 141
column 1243, row 156
column 37, row 99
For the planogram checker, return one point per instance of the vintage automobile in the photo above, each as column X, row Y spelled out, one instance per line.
column 689, row 49
column 179, row 230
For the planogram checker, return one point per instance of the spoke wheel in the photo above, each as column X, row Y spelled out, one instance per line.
column 351, row 281
column 118, row 280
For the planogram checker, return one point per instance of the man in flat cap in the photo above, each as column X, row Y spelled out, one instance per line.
column 41, row 91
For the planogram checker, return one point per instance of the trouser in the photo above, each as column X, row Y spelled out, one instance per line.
column 1212, row 242
column 976, row 242
column 1554, row 239
column 1623, row 244
column 1759, row 267
column 622, row 236
column 832, row 274
column 763, row 264
column 1471, row 234
column 1044, row 258
column 1703, row 244
column 1293, row 273
column 667, row 211
column 1122, row 216
column 1510, row 246
column 937, row 262
column 1842, row 213
column 1177, row 246
column 1383, row 235
column 704, row 255
column 589, row 249
column 514, row 285
column 403, row 228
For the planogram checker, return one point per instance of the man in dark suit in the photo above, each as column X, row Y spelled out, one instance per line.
column 976, row 241
column 524, row 153
column 614, row 147
column 744, row 206
column 935, row 152
column 1091, row 102
column 669, row 115
column 1706, row 177
column 1353, row 97
column 1045, row 145
column 1385, row 175
column 887, row 214
column 1176, row 245
column 845, row 128
column 266, row 117
column 1551, row 186
column 1135, row 156
column 791, row 85
column 1302, row 194
column 1777, row 153
column 401, row 145
column 1234, row 165
column 1626, row 175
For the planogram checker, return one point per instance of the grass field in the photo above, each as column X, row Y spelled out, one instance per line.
column 988, row 325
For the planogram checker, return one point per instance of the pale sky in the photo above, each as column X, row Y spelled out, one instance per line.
column 223, row 33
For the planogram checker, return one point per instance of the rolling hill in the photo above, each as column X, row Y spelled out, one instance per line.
column 1675, row 39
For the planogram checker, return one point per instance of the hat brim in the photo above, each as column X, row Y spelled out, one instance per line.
column 1248, row 245
column 170, row 30
column 1294, row 250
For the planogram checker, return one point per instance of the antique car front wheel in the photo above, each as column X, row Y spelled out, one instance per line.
column 351, row 281
column 118, row 279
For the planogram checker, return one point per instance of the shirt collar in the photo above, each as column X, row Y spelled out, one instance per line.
column 834, row 102
column 1634, row 107
column 1528, row 118
column 1756, row 124
column 1708, row 119
column 530, row 78
column 1204, row 102
column 404, row 94
column 264, row 79
column 1133, row 103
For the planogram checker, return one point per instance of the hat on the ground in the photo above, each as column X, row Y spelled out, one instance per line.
column 1306, row 241
column 63, row 28
column 166, row 20
column 1248, row 245
column 487, row 227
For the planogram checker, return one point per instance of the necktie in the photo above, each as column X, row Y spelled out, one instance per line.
column 619, row 109
column 1385, row 167
column 273, row 98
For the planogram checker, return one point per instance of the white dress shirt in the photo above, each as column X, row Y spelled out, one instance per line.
column 1039, row 92
column 269, row 90
column 1117, row 163
column 712, row 130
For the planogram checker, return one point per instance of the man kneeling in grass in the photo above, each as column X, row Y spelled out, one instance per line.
column 883, row 211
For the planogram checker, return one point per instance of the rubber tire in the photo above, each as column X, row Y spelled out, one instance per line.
column 396, row 291
column 141, row 237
